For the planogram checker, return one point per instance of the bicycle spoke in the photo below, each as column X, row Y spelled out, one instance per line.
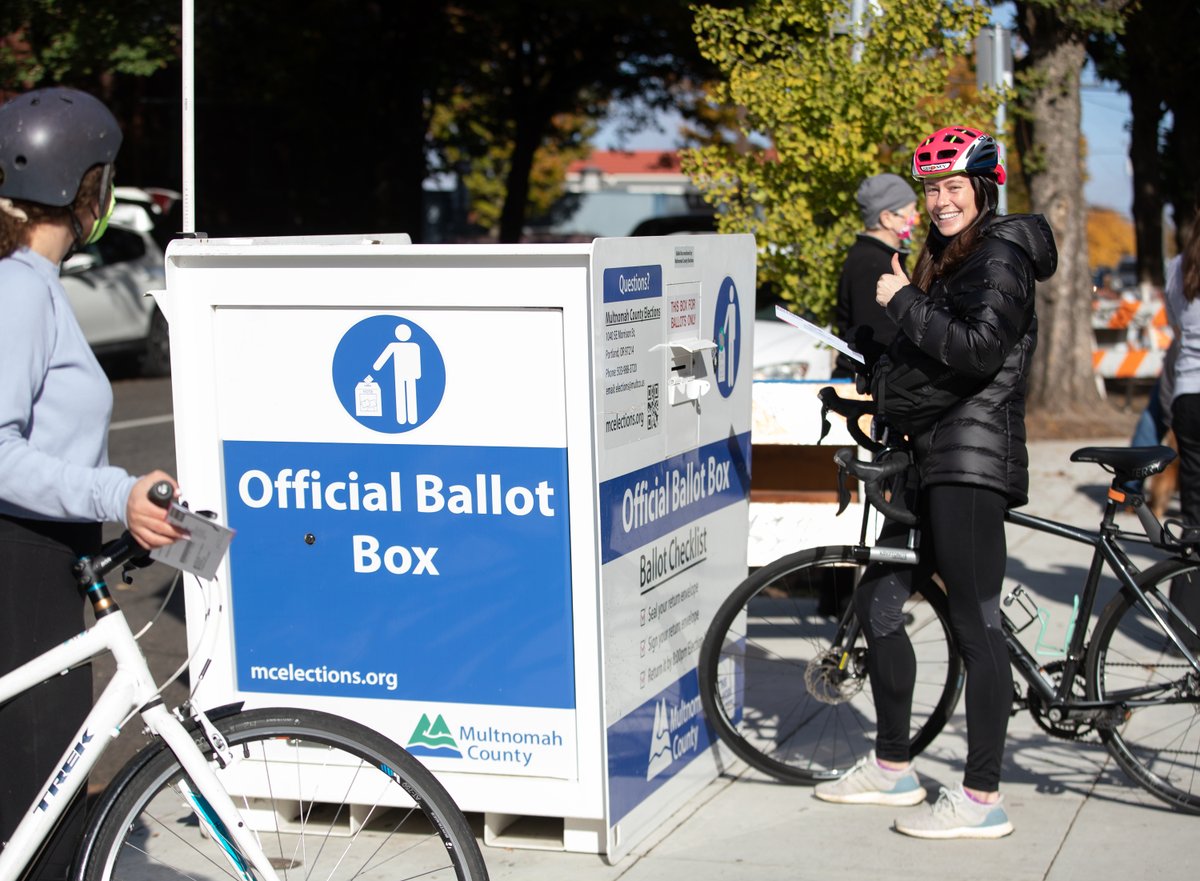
column 1135, row 665
column 344, row 802
column 805, row 708
column 222, row 867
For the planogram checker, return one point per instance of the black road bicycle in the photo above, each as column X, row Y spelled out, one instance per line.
column 786, row 687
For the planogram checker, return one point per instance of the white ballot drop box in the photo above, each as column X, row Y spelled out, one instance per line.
column 487, row 499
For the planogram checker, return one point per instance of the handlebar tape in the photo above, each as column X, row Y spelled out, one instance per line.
column 872, row 474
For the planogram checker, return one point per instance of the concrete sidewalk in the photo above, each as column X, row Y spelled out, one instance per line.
column 1076, row 814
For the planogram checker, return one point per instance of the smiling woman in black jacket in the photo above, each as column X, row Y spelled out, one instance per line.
column 969, row 310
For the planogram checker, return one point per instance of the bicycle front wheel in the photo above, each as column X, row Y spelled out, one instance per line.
column 784, row 693
column 1154, row 732
column 328, row 799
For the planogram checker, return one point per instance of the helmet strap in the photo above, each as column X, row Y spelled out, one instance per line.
column 77, row 233
column 107, row 201
column 101, row 223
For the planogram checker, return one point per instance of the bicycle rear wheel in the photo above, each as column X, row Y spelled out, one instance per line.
column 785, row 698
column 1157, row 736
column 328, row 798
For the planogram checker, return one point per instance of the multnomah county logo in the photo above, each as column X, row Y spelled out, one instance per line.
column 675, row 735
column 660, row 742
column 389, row 374
column 433, row 739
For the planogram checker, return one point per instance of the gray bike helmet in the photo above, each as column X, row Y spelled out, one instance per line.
column 49, row 138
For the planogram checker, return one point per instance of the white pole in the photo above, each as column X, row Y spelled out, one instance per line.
column 857, row 10
column 1000, row 78
column 189, row 118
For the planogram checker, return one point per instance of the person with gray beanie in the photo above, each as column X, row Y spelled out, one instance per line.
column 889, row 213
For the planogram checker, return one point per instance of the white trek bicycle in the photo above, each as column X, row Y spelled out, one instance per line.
column 344, row 801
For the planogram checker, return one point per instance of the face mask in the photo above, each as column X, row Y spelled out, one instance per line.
column 909, row 222
column 101, row 223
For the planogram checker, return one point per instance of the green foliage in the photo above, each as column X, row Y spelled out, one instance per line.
column 73, row 42
column 1083, row 17
column 824, row 121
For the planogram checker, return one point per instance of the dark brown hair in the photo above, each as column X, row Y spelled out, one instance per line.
column 15, row 233
column 930, row 265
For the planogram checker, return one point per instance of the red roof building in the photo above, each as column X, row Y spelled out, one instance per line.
column 633, row 171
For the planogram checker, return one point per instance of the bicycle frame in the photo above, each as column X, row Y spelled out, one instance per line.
column 132, row 687
column 1107, row 551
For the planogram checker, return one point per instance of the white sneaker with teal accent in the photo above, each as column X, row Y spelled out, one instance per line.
column 956, row 815
column 869, row 783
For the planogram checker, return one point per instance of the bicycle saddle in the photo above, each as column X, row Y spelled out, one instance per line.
column 1127, row 462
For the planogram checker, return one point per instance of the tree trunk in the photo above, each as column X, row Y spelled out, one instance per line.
column 399, row 192
column 1184, row 141
column 1147, row 184
column 1062, row 380
column 1146, row 104
column 516, row 192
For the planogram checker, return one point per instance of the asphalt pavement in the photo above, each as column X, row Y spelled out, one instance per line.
column 1076, row 814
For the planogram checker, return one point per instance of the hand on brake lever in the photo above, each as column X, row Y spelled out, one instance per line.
column 146, row 520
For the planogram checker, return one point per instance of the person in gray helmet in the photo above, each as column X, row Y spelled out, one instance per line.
column 57, row 148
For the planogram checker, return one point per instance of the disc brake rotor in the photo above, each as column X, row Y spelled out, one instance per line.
column 830, row 681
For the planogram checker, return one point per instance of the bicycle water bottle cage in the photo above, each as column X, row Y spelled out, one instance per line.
column 1050, row 651
column 1180, row 535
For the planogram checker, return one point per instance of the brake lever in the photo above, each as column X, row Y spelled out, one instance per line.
column 825, row 426
column 843, row 492
column 843, row 457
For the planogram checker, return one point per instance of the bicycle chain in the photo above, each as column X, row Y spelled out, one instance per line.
column 1064, row 729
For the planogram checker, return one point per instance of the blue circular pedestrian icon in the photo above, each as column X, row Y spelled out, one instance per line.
column 727, row 334
column 389, row 374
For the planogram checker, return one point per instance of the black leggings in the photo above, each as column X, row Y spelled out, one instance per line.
column 962, row 538
column 1185, row 419
column 40, row 607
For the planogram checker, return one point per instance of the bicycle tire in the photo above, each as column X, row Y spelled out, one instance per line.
column 766, row 664
column 1157, row 743
column 363, row 807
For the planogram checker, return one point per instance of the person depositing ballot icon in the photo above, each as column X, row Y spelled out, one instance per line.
column 406, row 366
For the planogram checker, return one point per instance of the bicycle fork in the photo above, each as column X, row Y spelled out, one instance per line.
column 209, row 801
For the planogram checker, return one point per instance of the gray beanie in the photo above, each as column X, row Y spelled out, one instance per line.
column 883, row 192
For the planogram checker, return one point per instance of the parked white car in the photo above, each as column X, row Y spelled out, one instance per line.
column 107, row 284
column 783, row 352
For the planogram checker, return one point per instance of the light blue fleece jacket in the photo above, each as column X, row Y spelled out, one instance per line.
column 55, row 404
column 1185, row 320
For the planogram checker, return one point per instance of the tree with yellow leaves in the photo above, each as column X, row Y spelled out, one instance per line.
column 824, row 103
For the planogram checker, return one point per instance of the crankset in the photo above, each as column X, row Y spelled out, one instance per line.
column 1060, row 726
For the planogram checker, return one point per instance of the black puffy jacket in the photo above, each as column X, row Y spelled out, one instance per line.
column 980, row 322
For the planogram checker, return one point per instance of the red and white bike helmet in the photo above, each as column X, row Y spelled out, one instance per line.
column 957, row 150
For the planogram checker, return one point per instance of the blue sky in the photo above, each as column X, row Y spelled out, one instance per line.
column 1106, row 127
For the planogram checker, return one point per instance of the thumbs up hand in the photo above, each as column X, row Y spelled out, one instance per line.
column 890, row 282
